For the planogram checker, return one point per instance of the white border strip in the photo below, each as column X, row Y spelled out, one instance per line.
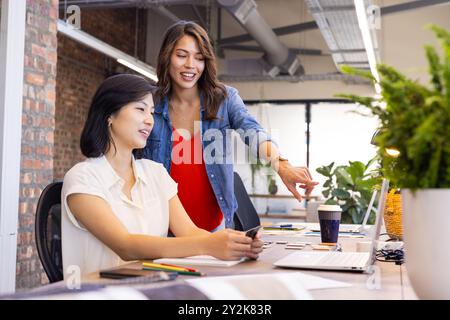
column 12, row 44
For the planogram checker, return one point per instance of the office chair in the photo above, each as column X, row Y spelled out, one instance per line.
column 246, row 216
column 48, row 231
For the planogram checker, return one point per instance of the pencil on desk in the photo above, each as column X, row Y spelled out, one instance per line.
column 160, row 266
column 188, row 273
column 188, row 269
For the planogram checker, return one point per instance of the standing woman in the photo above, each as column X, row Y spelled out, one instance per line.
column 193, row 116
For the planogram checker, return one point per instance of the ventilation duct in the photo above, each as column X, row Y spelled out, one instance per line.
column 277, row 57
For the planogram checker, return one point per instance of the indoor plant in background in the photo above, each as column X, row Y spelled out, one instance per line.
column 351, row 187
column 257, row 167
column 415, row 120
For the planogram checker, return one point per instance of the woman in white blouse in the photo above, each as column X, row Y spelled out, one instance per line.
column 116, row 208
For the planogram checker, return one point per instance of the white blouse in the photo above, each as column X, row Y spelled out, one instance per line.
column 147, row 213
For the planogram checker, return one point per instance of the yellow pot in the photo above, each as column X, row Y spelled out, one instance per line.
column 393, row 214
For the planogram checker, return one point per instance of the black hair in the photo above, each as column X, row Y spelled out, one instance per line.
column 114, row 93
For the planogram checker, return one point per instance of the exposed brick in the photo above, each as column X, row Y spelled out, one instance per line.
column 49, row 137
column 37, row 124
column 60, row 79
column 27, row 178
column 80, row 71
column 33, row 78
column 38, row 50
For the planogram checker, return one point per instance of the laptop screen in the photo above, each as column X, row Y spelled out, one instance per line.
column 379, row 217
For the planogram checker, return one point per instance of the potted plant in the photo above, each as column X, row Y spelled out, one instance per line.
column 258, row 167
column 415, row 121
column 350, row 187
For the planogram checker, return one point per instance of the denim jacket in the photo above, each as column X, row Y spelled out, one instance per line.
column 216, row 142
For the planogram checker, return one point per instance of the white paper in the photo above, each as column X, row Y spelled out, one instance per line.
column 199, row 261
column 310, row 282
column 273, row 286
column 108, row 293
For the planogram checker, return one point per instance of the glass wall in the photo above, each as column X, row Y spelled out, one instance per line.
column 287, row 126
column 337, row 134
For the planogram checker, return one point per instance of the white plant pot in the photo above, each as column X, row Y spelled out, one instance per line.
column 426, row 223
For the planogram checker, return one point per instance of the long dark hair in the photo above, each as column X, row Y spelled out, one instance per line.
column 212, row 89
column 114, row 93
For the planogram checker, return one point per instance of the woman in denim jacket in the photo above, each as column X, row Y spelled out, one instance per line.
column 194, row 117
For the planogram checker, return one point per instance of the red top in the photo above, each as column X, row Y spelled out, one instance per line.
column 194, row 190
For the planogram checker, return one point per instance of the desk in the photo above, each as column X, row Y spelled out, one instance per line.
column 394, row 283
column 281, row 196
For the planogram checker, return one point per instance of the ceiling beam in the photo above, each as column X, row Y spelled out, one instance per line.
column 239, row 47
column 311, row 25
column 278, row 31
column 411, row 6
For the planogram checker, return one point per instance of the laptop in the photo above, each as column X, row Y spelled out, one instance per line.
column 335, row 260
column 357, row 228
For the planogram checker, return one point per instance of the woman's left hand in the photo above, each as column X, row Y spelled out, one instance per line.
column 292, row 175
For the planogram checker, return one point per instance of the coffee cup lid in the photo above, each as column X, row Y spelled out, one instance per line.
column 329, row 207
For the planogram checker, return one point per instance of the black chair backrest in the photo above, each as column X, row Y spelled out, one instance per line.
column 48, row 231
column 246, row 216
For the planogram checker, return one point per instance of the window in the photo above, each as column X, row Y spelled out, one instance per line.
column 336, row 134
column 340, row 135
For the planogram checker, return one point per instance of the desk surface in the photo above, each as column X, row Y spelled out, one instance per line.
column 393, row 284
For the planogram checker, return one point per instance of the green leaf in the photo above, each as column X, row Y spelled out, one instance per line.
column 356, row 72
column 325, row 170
column 367, row 184
column 328, row 183
column 356, row 170
column 341, row 194
column 343, row 177
column 355, row 213
column 371, row 161
column 435, row 67
column 331, row 201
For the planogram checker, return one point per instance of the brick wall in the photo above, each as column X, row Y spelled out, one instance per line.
column 81, row 70
column 51, row 134
column 37, row 131
column 59, row 80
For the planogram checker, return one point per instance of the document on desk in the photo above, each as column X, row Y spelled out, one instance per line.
column 282, row 285
column 341, row 234
column 199, row 261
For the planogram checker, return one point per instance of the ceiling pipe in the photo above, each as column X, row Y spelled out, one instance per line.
column 278, row 58
column 98, row 4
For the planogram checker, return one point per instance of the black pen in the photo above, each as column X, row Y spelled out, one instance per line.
column 282, row 228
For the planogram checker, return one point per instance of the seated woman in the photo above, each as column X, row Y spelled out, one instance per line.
column 116, row 208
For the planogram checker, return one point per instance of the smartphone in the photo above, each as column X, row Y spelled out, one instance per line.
column 252, row 232
column 122, row 273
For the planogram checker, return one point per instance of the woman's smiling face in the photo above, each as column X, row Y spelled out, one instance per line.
column 132, row 125
column 187, row 63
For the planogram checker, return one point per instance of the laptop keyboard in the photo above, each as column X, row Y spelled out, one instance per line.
column 325, row 259
column 343, row 259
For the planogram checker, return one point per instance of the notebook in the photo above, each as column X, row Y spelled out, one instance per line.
column 129, row 275
column 199, row 261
